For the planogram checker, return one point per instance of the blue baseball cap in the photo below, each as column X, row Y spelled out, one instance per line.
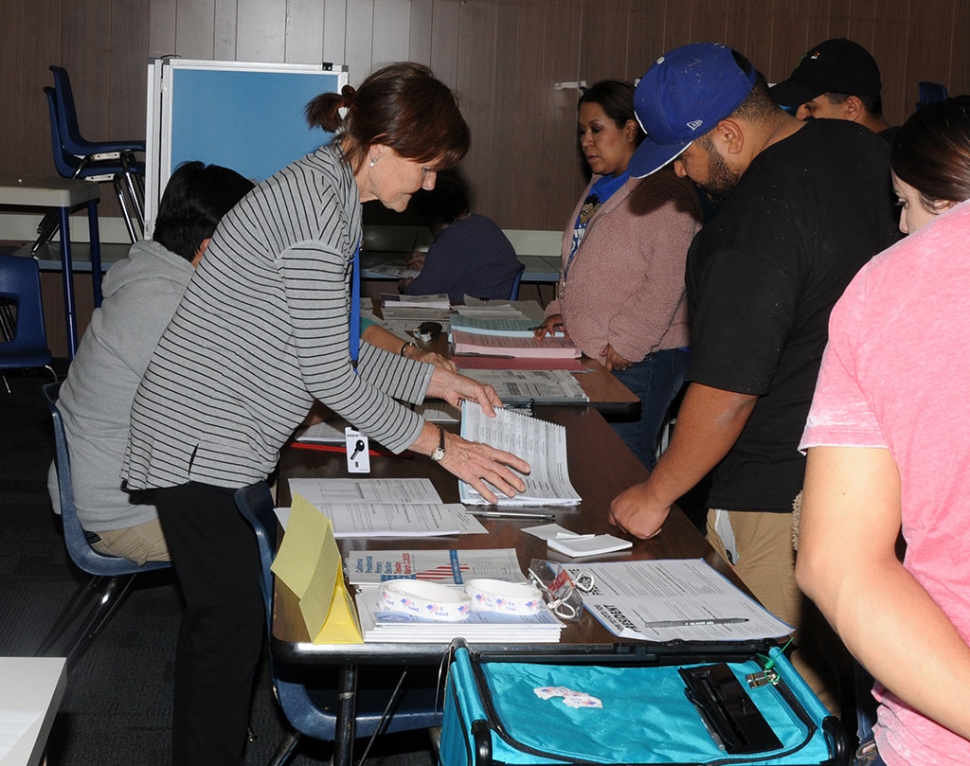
column 682, row 97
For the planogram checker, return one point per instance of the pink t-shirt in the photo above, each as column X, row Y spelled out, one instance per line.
column 895, row 375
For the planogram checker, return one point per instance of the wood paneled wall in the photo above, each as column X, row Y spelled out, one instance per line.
column 502, row 57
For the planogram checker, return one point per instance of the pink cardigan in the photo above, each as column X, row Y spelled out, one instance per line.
column 626, row 281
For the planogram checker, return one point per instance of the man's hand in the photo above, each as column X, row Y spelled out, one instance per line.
column 708, row 424
column 635, row 512
column 454, row 389
column 415, row 260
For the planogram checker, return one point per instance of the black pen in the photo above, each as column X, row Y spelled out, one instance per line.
column 694, row 623
column 512, row 515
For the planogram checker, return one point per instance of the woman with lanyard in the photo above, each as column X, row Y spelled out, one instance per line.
column 621, row 289
column 266, row 326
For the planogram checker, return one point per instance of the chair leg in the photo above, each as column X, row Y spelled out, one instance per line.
column 70, row 613
column 125, row 213
column 284, row 750
column 112, row 596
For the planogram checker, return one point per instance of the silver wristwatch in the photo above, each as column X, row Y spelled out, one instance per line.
column 439, row 454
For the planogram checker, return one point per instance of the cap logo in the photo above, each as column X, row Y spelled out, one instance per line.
column 695, row 124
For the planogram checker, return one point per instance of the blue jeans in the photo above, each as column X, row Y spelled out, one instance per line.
column 656, row 381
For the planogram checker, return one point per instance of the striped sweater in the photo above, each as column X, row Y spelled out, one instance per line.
column 261, row 332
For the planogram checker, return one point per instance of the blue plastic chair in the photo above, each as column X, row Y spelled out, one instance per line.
column 311, row 712
column 112, row 577
column 119, row 155
column 930, row 93
column 23, row 340
column 514, row 294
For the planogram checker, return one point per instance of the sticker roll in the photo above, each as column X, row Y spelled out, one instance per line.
column 431, row 601
column 506, row 597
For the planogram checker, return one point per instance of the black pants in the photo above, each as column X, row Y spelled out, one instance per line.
column 217, row 563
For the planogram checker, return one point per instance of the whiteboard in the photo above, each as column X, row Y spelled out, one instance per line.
column 244, row 116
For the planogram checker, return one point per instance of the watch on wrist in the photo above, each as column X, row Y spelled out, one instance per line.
column 439, row 453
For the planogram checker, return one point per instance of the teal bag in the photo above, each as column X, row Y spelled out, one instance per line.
column 494, row 715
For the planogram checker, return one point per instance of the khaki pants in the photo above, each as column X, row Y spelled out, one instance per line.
column 766, row 564
column 141, row 543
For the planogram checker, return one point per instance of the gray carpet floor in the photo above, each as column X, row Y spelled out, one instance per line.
column 117, row 707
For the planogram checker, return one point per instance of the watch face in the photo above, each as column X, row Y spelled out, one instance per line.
column 438, row 454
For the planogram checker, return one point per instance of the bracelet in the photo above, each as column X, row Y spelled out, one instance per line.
column 405, row 348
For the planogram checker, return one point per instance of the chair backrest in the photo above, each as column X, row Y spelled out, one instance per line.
column 71, row 136
column 930, row 93
column 66, row 164
column 255, row 503
column 514, row 294
column 75, row 538
column 20, row 283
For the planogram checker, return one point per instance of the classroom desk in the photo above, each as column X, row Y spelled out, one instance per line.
column 600, row 466
column 61, row 194
column 35, row 686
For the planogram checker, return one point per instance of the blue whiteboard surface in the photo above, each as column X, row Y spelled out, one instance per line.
column 245, row 116
column 251, row 122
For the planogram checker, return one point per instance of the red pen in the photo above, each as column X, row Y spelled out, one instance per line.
column 339, row 449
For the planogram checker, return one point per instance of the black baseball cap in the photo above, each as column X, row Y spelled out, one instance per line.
column 835, row 66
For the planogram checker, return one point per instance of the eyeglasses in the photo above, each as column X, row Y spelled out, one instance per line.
column 561, row 592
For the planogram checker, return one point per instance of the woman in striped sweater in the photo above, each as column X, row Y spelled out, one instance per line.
column 262, row 331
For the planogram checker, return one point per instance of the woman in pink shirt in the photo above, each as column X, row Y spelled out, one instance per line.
column 621, row 294
column 888, row 453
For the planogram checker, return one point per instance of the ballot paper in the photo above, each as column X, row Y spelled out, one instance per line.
column 453, row 567
column 538, row 442
column 384, row 508
column 674, row 599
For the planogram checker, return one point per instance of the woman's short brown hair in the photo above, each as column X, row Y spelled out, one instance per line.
column 402, row 106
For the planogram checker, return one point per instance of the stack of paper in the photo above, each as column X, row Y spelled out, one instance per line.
column 497, row 345
column 674, row 599
column 481, row 627
column 425, row 308
column 532, row 386
column 384, row 508
column 538, row 442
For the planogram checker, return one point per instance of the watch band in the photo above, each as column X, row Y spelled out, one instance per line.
column 439, row 453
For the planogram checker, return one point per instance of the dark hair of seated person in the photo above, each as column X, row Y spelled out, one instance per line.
column 441, row 206
column 196, row 198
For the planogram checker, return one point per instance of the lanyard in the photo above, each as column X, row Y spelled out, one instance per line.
column 355, row 310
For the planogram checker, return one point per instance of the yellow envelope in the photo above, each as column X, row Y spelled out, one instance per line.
column 309, row 563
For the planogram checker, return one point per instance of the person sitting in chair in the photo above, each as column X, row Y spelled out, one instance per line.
column 141, row 294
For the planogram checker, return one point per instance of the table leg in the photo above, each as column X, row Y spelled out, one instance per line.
column 95, row 251
column 343, row 744
column 68, row 274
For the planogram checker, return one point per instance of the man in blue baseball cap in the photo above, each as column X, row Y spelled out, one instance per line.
column 801, row 210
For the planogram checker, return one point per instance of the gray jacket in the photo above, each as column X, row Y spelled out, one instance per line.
column 141, row 294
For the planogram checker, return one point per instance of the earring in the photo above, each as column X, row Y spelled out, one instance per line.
column 373, row 161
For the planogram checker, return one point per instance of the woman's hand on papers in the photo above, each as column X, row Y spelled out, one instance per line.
column 476, row 463
column 552, row 325
column 454, row 389
column 636, row 513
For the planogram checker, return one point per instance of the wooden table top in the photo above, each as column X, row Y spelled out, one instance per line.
column 600, row 466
